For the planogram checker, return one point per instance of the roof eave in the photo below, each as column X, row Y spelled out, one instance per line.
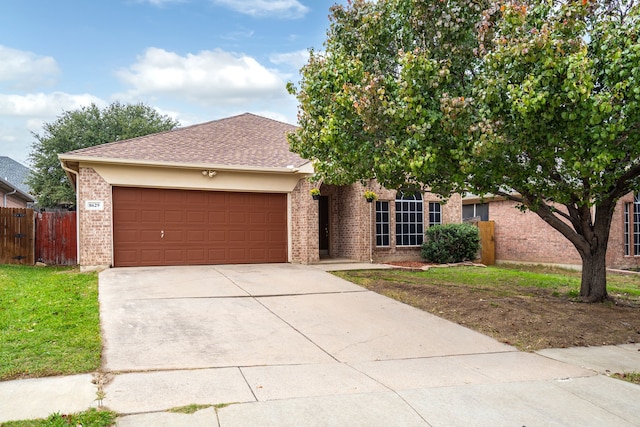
column 11, row 188
column 66, row 158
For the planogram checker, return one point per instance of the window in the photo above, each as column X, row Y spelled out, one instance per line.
column 480, row 210
column 435, row 213
column 631, row 232
column 626, row 228
column 636, row 224
column 409, row 219
column 382, row 223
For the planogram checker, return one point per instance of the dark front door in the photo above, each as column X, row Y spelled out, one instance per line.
column 323, row 225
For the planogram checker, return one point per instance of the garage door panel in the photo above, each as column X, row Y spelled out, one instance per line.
column 238, row 217
column 173, row 197
column 174, row 236
column 199, row 217
column 200, row 227
column 257, row 236
column 175, row 256
column 237, row 236
column 216, row 253
column 150, row 196
column 196, row 197
column 236, row 254
column 149, row 255
column 196, row 236
column 130, row 215
column 197, row 255
column 174, row 216
column 217, row 236
column 150, row 215
column 259, row 218
column 150, row 236
column 127, row 236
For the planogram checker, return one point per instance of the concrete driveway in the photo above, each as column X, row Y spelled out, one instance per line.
column 295, row 345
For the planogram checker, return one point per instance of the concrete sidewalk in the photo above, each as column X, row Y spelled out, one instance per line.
column 292, row 345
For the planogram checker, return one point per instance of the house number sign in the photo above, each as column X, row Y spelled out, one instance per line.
column 94, row 205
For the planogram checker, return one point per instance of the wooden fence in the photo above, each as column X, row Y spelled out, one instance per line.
column 27, row 237
column 56, row 238
column 17, row 236
column 487, row 242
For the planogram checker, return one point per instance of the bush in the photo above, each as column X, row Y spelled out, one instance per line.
column 451, row 243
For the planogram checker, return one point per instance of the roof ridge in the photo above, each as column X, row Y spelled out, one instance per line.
column 244, row 139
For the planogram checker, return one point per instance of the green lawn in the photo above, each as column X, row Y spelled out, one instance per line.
column 49, row 322
column 89, row 418
column 561, row 281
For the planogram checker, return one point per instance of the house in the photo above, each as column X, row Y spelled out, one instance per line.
column 525, row 237
column 230, row 191
column 14, row 192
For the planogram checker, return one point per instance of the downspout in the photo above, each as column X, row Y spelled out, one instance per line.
column 68, row 170
column 7, row 195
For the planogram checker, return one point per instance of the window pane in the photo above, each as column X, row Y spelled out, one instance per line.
column 626, row 228
column 482, row 210
column 409, row 219
column 382, row 223
column 468, row 211
column 435, row 213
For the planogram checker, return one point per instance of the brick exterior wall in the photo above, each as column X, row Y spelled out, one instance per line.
column 348, row 222
column 96, row 234
column 352, row 223
column 304, row 225
column 351, row 219
column 524, row 237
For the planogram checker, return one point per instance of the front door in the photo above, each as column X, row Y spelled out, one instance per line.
column 323, row 225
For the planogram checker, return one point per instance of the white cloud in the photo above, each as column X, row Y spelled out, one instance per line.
column 238, row 35
column 26, row 70
column 44, row 105
column 296, row 59
column 289, row 9
column 208, row 78
column 161, row 3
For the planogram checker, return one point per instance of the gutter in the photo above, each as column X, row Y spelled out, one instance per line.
column 69, row 171
column 7, row 195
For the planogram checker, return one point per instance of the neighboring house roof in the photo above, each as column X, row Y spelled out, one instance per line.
column 14, row 173
column 243, row 141
column 9, row 189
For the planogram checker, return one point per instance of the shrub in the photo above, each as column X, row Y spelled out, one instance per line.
column 451, row 243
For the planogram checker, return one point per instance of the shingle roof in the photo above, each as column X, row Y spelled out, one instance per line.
column 243, row 140
column 14, row 173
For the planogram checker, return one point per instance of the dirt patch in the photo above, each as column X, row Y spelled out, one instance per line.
column 528, row 318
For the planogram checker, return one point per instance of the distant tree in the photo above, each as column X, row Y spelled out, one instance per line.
column 82, row 128
column 537, row 101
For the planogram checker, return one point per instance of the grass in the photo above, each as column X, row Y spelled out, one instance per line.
column 189, row 409
column 632, row 377
column 49, row 322
column 89, row 418
column 560, row 281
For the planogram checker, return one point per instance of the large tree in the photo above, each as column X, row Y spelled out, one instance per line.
column 536, row 101
column 82, row 128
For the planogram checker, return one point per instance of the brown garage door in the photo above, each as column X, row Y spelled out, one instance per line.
column 183, row 227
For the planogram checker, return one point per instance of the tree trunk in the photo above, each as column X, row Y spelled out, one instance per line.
column 594, row 275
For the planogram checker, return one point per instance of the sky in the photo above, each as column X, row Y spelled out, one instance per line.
column 193, row 60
